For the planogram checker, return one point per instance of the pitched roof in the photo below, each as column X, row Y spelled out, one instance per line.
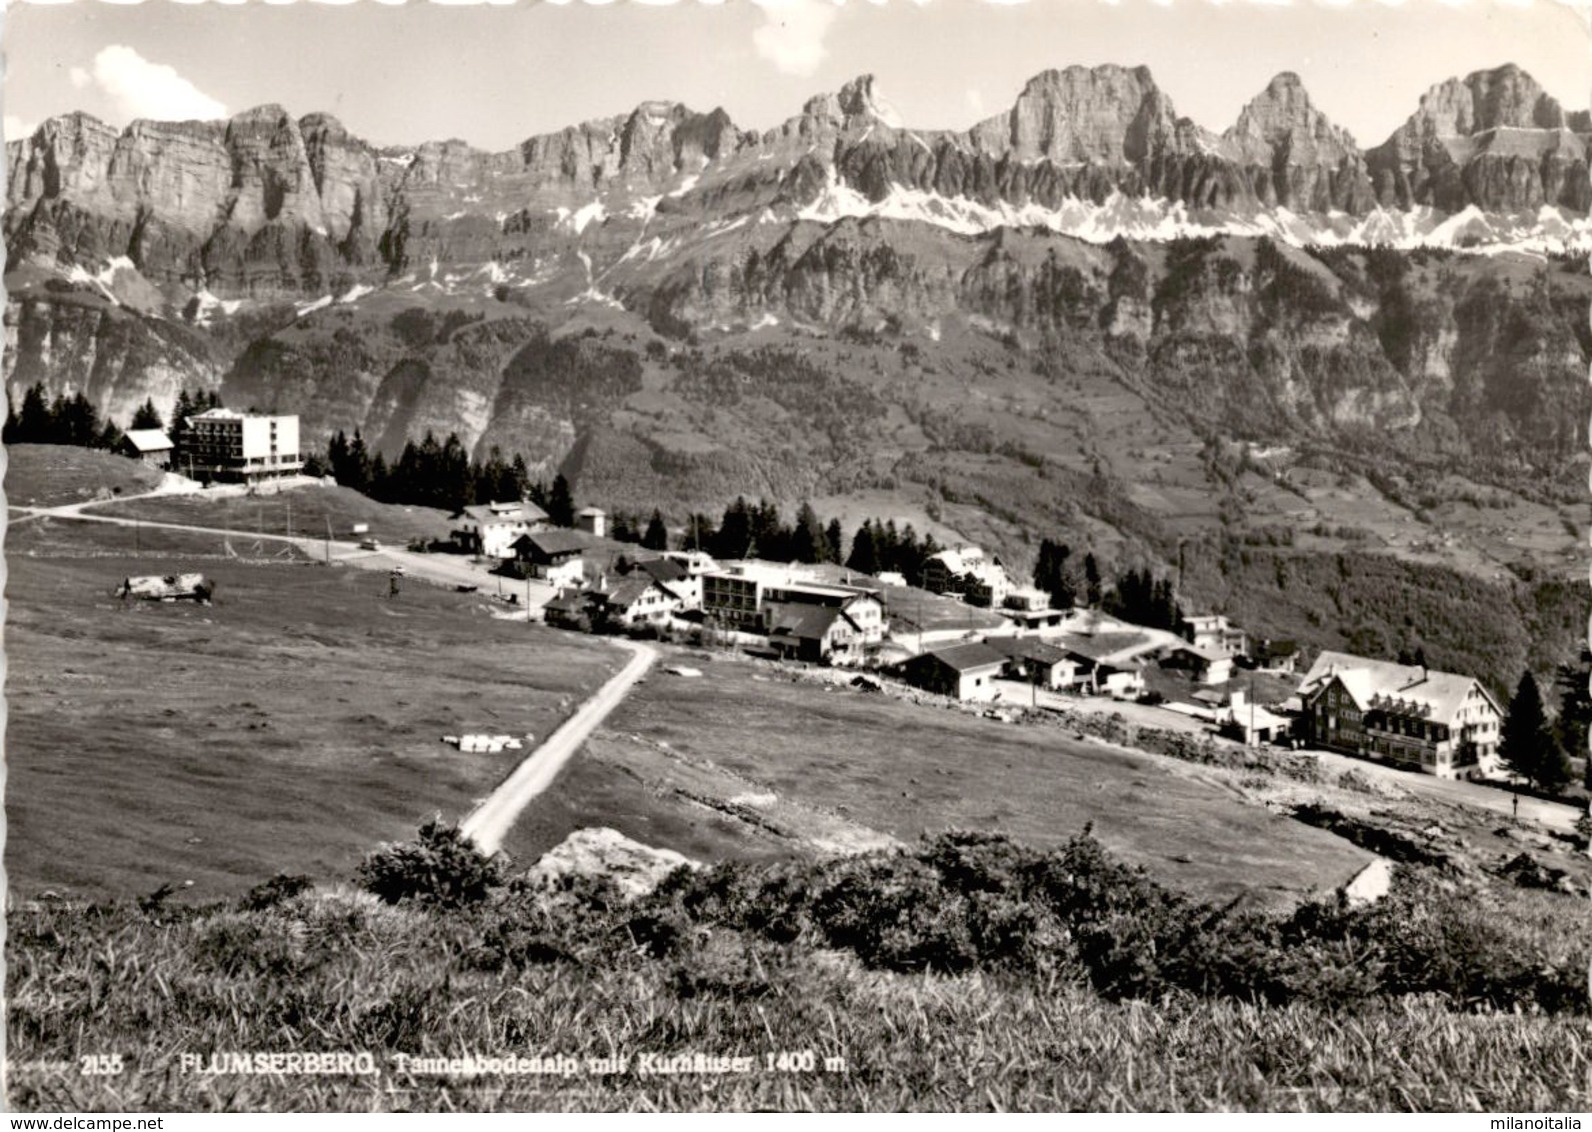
column 1442, row 693
column 1109, row 648
column 522, row 512
column 627, row 592
column 1028, row 648
column 663, row 569
column 571, row 601
column 549, row 543
column 148, row 439
column 964, row 658
column 1204, row 652
column 805, row 622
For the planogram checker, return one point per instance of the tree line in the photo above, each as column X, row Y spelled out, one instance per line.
column 433, row 473
column 760, row 530
column 74, row 420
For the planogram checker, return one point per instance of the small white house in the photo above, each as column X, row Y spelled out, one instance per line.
column 490, row 529
column 591, row 520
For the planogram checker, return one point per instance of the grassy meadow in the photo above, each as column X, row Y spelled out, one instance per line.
column 292, row 725
column 908, row 769
column 310, row 510
column 54, row 475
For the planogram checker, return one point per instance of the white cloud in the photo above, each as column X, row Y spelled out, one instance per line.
column 138, row 88
column 792, row 35
column 80, row 77
column 15, row 128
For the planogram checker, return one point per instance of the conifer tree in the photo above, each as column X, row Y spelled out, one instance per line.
column 1526, row 745
column 147, row 416
column 561, row 502
column 656, row 536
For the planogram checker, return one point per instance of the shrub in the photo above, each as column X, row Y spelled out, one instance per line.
column 270, row 893
column 441, row 868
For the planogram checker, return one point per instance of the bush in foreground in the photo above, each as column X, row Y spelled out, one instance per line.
column 441, row 867
column 968, row 972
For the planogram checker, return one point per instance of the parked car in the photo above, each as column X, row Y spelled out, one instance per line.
column 369, row 544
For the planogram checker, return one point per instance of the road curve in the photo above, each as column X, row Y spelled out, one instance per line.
column 491, row 820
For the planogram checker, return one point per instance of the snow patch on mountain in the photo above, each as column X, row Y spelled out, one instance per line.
column 577, row 220
column 1548, row 230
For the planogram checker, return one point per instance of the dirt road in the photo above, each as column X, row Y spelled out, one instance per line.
column 493, row 818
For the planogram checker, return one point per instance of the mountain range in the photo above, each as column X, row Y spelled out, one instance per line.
column 268, row 205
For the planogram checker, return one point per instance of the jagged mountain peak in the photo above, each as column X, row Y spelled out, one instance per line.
column 1503, row 97
column 1107, row 114
column 860, row 100
column 1283, row 112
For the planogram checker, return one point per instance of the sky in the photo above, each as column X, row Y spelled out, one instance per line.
column 494, row 74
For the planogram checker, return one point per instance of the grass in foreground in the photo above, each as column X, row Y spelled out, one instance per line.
column 1126, row 1006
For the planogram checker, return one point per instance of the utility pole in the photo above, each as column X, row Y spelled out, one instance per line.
column 328, row 540
column 290, row 516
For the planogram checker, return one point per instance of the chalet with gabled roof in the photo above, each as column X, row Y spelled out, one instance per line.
column 554, row 556
column 1438, row 723
column 963, row 672
column 490, row 529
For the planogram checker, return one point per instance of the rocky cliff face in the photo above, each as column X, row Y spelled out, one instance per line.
column 266, row 206
column 1493, row 140
column 290, row 263
column 1293, row 157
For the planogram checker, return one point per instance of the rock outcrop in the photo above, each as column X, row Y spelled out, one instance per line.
column 601, row 853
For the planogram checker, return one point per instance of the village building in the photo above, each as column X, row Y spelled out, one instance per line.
column 491, row 529
column 636, row 600
column 1438, row 723
column 1029, row 609
column 227, row 447
column 1275, row 656
column 1216, row 633
column 1036, row 662
column 592, row 520
column 817, row 634
column 149, row 446
column 674, row 574
column 553, row 556
column 1250, row 723
column 1106, row 665
column 571, row 609
column 749, row 596
column 968, row 572
column 1205, row 664
column 963, row 672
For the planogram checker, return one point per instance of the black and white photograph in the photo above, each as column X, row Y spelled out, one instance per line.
column 800, row 556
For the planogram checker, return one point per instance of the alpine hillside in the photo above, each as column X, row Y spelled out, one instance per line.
column 1085, row 317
